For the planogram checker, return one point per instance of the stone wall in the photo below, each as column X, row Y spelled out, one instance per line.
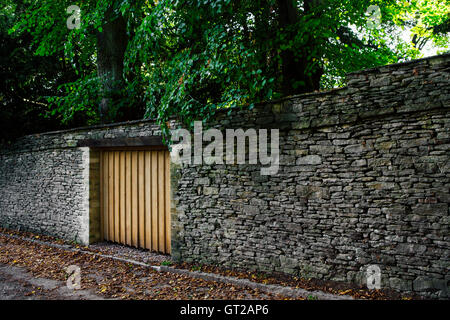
column 364, row 180
column 48, row 182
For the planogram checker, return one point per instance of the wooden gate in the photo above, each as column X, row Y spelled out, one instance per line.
column 135, row 198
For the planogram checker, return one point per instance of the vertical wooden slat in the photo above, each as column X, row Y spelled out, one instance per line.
column 128, row 198
column 154, row 189
column 105, row 194
column 116, row 197
column 141, row 199
column 161, row 207
column 134, row 199
column 167, row 202
column 148, row 202
column 122, row 197
column 101, row 195
column 111, row 196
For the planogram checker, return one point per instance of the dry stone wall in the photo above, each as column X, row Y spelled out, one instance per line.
column 364, row 180
column 45, row 179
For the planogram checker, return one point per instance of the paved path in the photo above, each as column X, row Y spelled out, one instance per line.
column 17, row 284
column 168, row 282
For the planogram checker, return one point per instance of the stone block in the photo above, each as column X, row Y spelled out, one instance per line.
column 309, row 160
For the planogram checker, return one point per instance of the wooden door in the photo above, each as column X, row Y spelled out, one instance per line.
column 135, row 198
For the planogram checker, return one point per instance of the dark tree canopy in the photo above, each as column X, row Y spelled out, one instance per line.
column 187, row 58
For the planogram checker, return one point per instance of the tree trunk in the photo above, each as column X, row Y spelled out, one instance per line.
column 111, row 45
column 295, row 79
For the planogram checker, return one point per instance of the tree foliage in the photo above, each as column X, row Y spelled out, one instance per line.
column 189, row 58
column 27, row 79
